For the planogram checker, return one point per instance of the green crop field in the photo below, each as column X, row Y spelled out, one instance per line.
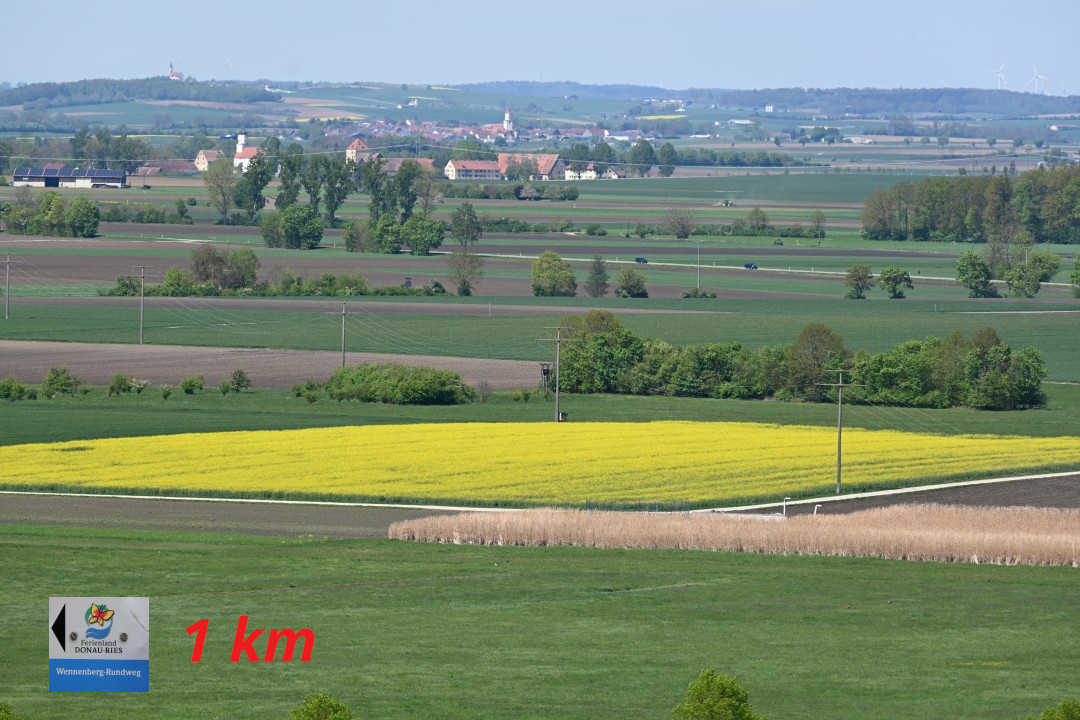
column 95, row 415
column 406, row 631
column 872, row 326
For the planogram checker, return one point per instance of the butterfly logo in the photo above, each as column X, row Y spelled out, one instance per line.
column 98, row 615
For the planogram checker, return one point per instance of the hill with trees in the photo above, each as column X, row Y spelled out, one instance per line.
column 92, row 92
column 946, row 101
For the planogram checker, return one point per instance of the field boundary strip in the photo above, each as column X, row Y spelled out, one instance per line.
column 885, row 493
column 469, row 508
column 760, row 268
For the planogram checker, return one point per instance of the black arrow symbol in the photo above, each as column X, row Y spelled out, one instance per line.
column 59, row 627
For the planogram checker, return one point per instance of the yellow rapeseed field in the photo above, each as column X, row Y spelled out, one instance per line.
column 631, row 463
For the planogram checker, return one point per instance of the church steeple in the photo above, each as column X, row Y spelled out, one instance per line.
column 508, row 123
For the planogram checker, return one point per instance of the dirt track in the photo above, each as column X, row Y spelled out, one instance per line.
column 191, row 515
column 1059, row 492
column 336, row 521
column 97, row 363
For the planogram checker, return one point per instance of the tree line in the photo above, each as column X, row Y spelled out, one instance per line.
column 91, row 92
column 50, row 214
column 215, row 272
column 984, row 372
column 1034, row 207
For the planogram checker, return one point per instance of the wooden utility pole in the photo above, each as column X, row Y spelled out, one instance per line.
column 342, row 334
column 7, row 287
column 558, row 349
column 839, row 385
column 142, row 297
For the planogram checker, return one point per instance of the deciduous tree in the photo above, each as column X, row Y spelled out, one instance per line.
column 667, row 157
column 220, row 180
column 643, row 157
column 679, row 223
column 715, row 697
column 895, row 280
column 629, row 283
column 552, row 276
column 337, row 185
column 596, row 285
column 973, row 272
column 858, row 280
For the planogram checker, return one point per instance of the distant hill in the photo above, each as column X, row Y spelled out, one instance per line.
column 834, row 101
column 92, row 92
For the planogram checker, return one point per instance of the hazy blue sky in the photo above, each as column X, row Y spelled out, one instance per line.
column 671, row 43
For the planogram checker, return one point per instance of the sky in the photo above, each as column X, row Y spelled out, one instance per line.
column 673, row 44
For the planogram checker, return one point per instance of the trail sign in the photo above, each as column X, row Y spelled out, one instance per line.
column 99, row 644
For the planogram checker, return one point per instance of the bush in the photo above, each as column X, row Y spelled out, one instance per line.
column 60, row 382
column 630, row 284
column 225, row 387
column 321, row 707
column 6, row 711
column 595, row 229
column 193, row 384
column 308, row 387
column 12, row 389
column 522, row 395
column 239, row 381
column 697, row 293
column 399, row 385
column 192, row 202
column 715, row 697
column 166, row 391
column 1067, row 710
column 120, row 385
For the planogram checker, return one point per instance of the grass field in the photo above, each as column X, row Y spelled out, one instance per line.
column 405, row 630
column 872, row 326
column 659, row 464
column 97, row 416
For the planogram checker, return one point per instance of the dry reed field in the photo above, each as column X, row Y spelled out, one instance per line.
column 936, row 533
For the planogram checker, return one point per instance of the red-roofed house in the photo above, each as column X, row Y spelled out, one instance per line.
column 244, row 155
column 205, row 157
column 472, row 170
column 356, row 146
column 548, row 165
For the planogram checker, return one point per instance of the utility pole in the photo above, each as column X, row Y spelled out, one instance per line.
column 342, row 334
column 142, row 296
column 558, row 348
column 7, row 287
column 839, row 385
column 698, row 265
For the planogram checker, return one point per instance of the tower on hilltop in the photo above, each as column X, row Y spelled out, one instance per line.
column 508, row 123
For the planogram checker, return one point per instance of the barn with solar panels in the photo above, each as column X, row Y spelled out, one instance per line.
column 67, row 177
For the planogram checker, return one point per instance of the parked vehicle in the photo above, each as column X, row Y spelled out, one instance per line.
column 750, row 266
column 642, row 260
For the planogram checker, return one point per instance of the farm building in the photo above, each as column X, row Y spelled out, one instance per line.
column 589, row 172
column 472, row 170
column 205, row 157
column 355, row 148
column 68, row 177
column 548, row 165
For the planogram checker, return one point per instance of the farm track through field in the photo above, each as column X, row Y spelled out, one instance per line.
column 344, row 520
column 210, row 517
column 97, row 363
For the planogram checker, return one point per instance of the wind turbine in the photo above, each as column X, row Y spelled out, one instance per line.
column 1036, row 78
column 1002, row 83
